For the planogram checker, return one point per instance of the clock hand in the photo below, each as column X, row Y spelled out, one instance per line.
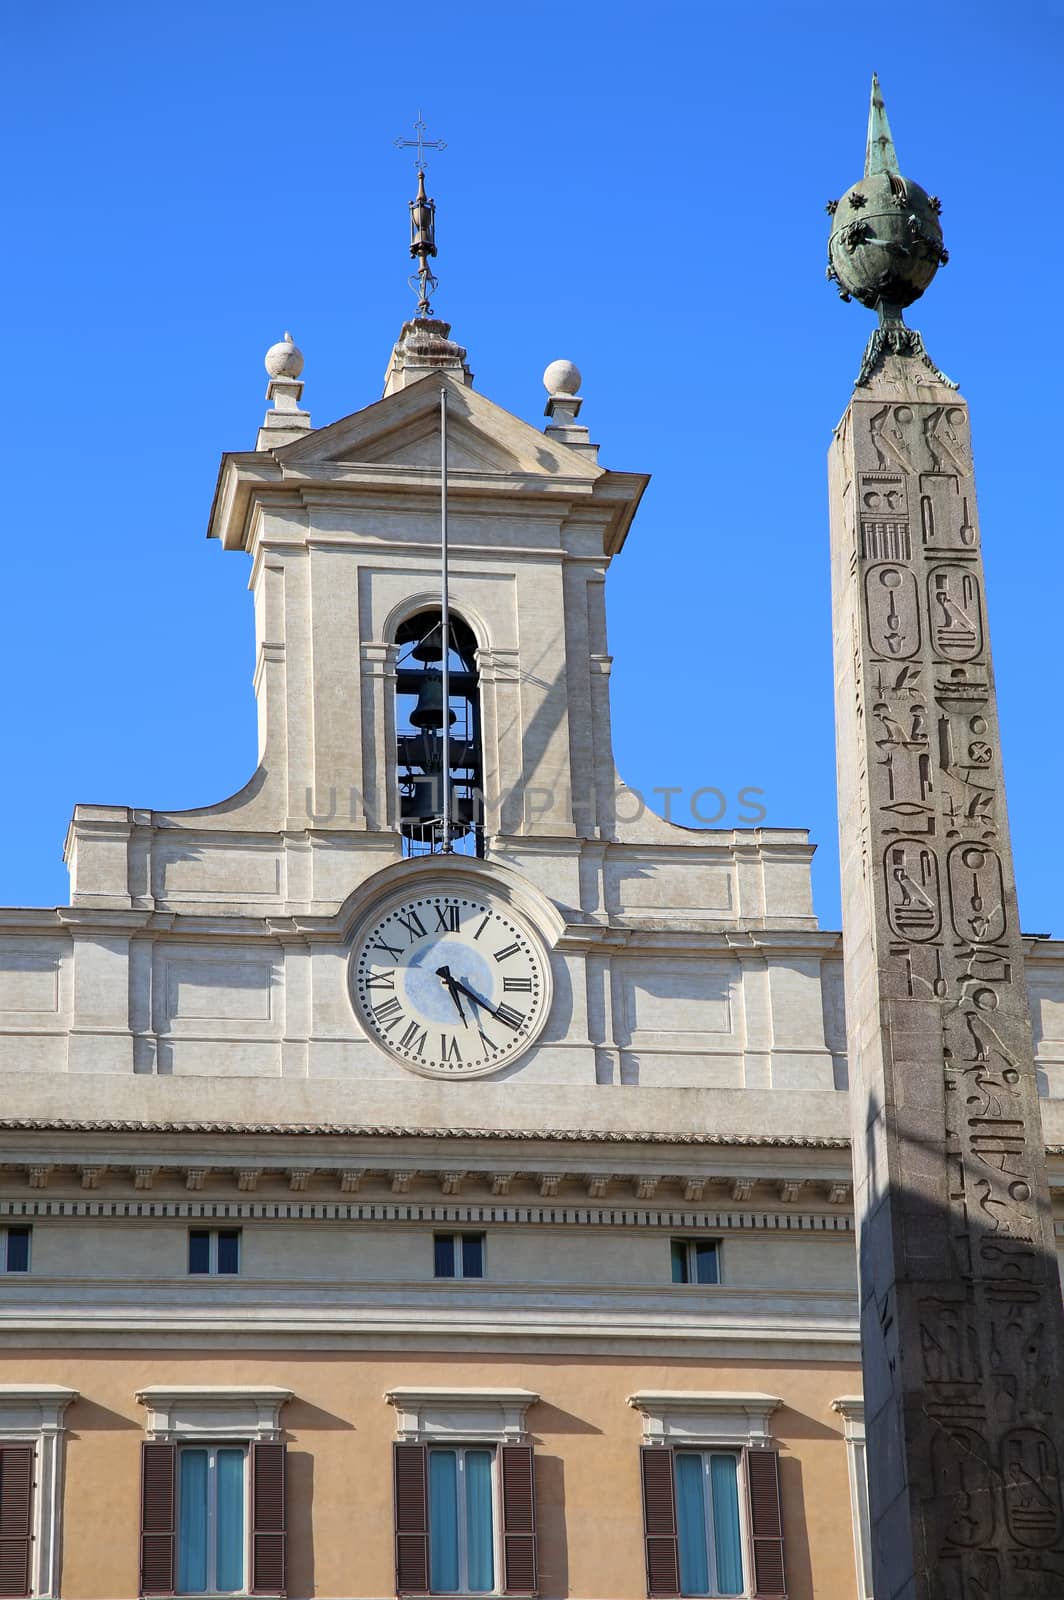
column 444, row 975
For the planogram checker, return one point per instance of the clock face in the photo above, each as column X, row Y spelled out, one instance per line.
column 451, row 982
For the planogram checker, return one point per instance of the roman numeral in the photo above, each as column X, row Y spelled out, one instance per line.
column 517, row 985
column 413, row 925
column 449, row 1051
column 410, row 1041
column 387, row 1008
column 383, row 980
column 447, row 918
column 380, row 945
column 513, row 1019
column 506, row 952
column 483, row 925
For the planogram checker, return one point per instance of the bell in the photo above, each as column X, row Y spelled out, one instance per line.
column 422, row 807
column 428, row 713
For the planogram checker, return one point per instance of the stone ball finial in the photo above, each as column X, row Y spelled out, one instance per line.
column 562, row 377
column 284, row 360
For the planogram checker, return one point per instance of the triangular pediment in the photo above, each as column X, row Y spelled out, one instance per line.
column 402, row 432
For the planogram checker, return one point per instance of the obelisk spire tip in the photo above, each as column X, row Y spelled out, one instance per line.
column 880, row 154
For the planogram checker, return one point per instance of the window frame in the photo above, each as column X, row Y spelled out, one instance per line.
column 32, row 1415
column 213, row 1235
column 19, row 1228
column 212, row 1448
column 706, row 1453
column 458, row 1241
column 852, row 1410
column 461, row 1449
column 689, row 1244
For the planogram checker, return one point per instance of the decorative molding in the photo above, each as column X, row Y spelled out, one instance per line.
column 790, row 1189
column 195, row 1176
column 144, row 1177
column 548, row 1184
column 501, row 1181
column 247, row 1179
column 401, row 1181
column 219, row 1212
column 33, row 1414
column 351, row 1179
column 492, row 1415
column 704, row 1417
column 299, row 1178
column 451, row 1182
column 597, row 1183
column 851, row 1408
column 742, row 1189
column 840, row 1194
column 693, row 1188
column 90, row 1176
column 215, row 1411
column 38, row 1176
column 644, row 1188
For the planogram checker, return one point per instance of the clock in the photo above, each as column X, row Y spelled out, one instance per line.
column 451, row 981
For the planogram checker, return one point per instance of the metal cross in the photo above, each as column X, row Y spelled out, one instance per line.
column 420, row 144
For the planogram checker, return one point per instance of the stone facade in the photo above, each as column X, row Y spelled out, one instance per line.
column 179, row 1051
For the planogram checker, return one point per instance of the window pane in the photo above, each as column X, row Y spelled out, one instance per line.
column 444, row 1243
column 679, row 1261
column 705, row 1262
column 472, row 1255
column 691, row 1517
column 443, row 1521
column 480, row 1553
column 229, row 1250
column 724, row 1485
column 18, row 1249
column 192, row 1523
column 199, row 1250
column 230, row 1521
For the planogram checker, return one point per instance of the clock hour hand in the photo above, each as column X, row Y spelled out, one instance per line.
column 444, row 975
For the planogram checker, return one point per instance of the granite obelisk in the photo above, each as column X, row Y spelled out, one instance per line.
column 961, row 1320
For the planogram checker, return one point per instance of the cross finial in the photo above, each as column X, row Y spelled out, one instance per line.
column 420, row 144
column 422, row 219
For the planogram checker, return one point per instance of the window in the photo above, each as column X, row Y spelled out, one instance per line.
column 214, row 1250
column 695, row 1261
column 14, row 1249
column 459, row 1255
column 461, row 1521
column 465, row 1514
column 213, row 1515
column 712, row 1516
column 707, row 1522
column 211, row 1538
column 31, row 1485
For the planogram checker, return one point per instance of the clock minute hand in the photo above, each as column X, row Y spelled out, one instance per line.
column 444, row 974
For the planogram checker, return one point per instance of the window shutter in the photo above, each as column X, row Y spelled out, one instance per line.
column 16, row 1518
column 269, row 1537
column 659, row 1521
column 518, row 1519
column 411, row 1519
column 766, row 1522
column 157, row 1518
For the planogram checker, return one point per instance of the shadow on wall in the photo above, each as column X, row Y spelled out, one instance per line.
column 552, row 1539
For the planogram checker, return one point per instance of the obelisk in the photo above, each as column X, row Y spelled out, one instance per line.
column 961, row 1322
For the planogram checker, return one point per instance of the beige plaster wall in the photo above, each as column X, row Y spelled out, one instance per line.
column 340, row 1430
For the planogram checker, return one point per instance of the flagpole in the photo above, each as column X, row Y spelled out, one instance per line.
column 445, row 629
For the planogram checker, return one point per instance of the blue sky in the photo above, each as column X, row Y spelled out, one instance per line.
column 640, row 189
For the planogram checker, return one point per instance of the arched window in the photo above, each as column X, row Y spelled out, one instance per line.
column 419, row 718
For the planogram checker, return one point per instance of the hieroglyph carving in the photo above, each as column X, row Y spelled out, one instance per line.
column 959, row 1281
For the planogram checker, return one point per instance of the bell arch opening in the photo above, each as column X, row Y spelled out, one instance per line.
column 419, row 722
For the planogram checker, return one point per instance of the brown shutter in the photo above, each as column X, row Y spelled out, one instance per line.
column 16, row 1518
column 518, row 1519
column 659, row 1521
column 411, row 1519
column 157, row 1518
column 766, row 1522
column 269, row 1538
